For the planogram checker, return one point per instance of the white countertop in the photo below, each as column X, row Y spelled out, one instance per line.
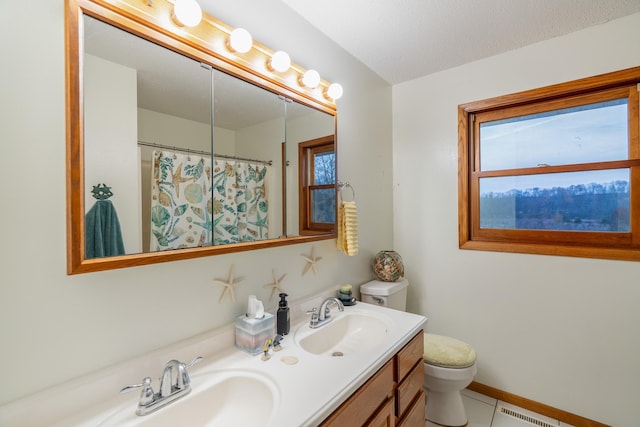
column 307, row 391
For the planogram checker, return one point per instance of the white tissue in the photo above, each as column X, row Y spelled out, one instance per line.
column 260, row 310
column 255, row 308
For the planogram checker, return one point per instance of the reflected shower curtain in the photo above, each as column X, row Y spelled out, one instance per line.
column 180, row 201
column 240, row 207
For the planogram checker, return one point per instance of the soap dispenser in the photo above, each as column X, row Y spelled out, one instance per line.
column 282, row 316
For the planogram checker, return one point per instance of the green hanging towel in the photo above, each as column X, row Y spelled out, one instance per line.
column 102, row 231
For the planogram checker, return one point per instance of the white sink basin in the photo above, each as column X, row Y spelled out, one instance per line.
column 223, row 398
column 348, row 333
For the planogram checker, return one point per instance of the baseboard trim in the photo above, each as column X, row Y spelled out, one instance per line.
column 537, row 407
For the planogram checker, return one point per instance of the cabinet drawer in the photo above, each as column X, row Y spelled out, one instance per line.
column 415, row 416
column 365, row 401
column 409, row 388
column 409, row 356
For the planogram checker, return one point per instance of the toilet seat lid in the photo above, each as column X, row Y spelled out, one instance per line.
column 447, row 352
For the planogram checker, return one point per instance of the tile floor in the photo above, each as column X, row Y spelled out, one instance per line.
column 484, row 411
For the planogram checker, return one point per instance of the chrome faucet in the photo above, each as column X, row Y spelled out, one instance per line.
column 322, row 315
column 169, row 390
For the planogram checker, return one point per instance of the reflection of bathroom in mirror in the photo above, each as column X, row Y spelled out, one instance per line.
column 306, row 124
column 136, row 91
column 146, row 106
column 150, row 114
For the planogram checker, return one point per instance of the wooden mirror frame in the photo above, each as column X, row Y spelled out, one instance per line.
column 151, row 20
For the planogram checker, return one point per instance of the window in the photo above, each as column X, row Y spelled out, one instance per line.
column 317, row 178
column 553, row 170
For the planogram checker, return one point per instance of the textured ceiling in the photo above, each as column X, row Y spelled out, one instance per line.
column 404, row 39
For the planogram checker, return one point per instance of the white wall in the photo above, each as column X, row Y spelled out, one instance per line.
column 561, row 331
column 164, row 129
column 54, row 327
column 111, row 151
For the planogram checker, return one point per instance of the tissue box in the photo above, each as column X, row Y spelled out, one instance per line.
column 251, row 334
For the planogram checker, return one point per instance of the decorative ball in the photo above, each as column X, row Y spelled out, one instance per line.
column 388, row 266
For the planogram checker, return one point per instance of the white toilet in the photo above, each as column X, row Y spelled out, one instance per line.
column 449, row 364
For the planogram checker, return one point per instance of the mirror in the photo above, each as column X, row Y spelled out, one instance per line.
column 305, row 125
column 144, row 116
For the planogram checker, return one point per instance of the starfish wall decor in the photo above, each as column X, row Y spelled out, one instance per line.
column 228, row 286
column 311, row 262
column 275, row 285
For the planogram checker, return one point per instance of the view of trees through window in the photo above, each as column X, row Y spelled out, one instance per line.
column 594, row 200
column 317, row 177
column 324, row 199
column 553, row 170
column 582, row 207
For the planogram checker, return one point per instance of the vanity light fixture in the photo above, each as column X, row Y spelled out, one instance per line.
column 310, row 79
column 186, row 13
column 334, row 91
column 280, row 61
column 240, row 41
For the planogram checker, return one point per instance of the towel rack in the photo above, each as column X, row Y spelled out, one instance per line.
column 101, row 192
column 342, row 186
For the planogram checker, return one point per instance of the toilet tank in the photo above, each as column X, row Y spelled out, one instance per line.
column 386, row 294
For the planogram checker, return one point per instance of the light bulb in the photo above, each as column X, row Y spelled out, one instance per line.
column 240, row 40
column 280, row 61
column 334, row 91
column 310, row 79
column 187, row 13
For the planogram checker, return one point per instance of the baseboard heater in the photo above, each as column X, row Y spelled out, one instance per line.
column 523, row 417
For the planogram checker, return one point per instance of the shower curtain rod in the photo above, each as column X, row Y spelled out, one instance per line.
column 203, row 153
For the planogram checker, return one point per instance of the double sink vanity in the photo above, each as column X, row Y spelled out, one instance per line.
column 362, row 366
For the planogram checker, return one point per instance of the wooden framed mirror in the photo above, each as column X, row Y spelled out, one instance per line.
column 152, row 105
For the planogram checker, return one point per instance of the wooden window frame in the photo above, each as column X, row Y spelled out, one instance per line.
column 306, row 152
column 604, row 245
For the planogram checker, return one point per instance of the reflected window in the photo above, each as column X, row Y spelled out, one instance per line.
column 551, row 171
column 317, row 176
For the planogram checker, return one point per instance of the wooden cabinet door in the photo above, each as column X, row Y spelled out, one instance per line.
column 365, row 401
column 415, row 415
column 385, row 417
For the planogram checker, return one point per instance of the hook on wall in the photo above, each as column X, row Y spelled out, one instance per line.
column 101, row 192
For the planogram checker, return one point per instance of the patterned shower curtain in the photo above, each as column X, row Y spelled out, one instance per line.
column 240, row 207
column 180, row 201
